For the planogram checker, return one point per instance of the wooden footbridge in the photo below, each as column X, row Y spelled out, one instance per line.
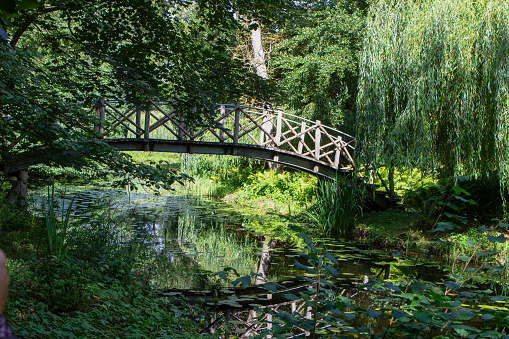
column 259, row 133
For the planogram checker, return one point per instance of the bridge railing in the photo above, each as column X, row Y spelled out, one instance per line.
column 228, row 124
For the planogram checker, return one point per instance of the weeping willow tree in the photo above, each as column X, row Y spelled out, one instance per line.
column 433, row 88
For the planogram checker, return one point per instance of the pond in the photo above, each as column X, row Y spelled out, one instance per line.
column 183, row 239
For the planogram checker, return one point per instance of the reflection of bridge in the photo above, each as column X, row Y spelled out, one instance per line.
column 230, row 130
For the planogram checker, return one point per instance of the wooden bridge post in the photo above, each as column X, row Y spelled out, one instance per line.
column 147, row 128
column 308, row 316
column 266, row 126
column 181, row 128
column 318, row 135
column 338, row 152
column 302, row 137
column 139, row 130
column 221, row 132
column 279, row 123
column 100, row 114
column 237, row 126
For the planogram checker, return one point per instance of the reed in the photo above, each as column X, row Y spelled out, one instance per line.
column 57, row 228
column 336, row 205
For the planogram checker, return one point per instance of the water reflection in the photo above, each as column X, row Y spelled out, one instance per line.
column 184, row 239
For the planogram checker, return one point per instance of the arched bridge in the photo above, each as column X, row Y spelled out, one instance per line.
column 231, row 130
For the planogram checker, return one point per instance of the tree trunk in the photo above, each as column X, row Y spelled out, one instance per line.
column 260, row 66
column 258, row 52
column 19, row 189
column 391, row 183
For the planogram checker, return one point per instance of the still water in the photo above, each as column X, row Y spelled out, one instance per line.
column 181, row 240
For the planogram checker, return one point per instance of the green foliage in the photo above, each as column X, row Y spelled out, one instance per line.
column 283, row 187
column 56, row 229
column 336, row 205
column 61, row 53
column 117, row 312
column 407, row 307
column 433, row 89
column 315, row 63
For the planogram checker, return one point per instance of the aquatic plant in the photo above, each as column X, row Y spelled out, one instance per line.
column 404, row 307
column 336, row 205
column 56, row 228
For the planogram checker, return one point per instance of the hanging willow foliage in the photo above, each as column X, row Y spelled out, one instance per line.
column 434, row 86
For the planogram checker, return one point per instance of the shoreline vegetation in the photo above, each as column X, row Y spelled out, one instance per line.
column 93, row 286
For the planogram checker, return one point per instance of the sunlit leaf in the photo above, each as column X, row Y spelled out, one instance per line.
column 459, row 190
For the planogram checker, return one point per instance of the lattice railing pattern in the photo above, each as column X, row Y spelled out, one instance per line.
column 228, row 124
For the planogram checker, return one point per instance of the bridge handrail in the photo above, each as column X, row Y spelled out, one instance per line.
column 236, row 124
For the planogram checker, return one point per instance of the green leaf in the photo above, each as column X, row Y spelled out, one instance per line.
column 444, row 226
column 26, row 5
column 299, row 266
column 221, row 275
column 400, row 316
column 487, row 316
column 245, row 281
column 471, row 242
column 500, row 239
column 331, row 257
column 462, row 314
column 418, row 287
column 373, row 314
column 459, row 190
column 290, row 296
column 8, row 6
column 332, row 271
column 463, row 258
column 423, row 317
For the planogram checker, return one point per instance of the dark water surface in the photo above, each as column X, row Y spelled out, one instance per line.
column 182, row 239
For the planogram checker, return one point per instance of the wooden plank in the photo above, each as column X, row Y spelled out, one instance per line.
column 264, row 131
column 139, row 131
column 236, row 127
column 99, row 113
column 125, row 117
column 147, row 124
column 301, row 137
column 279, row 126
column 222, row 110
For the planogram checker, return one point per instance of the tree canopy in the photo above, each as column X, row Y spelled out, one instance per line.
column 434, row 85
column 57, row 53
column 316, row 61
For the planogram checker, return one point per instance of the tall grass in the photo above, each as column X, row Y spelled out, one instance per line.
column 57, row 228
column 336, row 205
